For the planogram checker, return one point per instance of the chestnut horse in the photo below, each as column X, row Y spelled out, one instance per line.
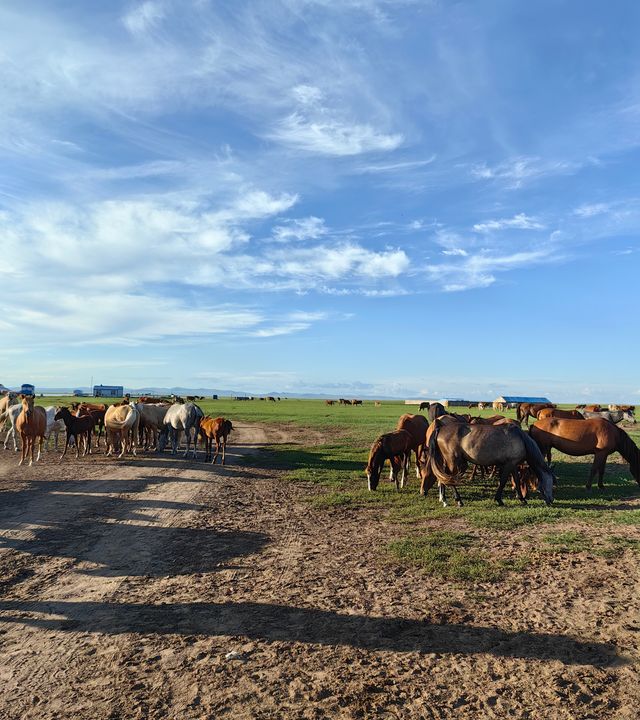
column 395, row 447
column 526, row 410
column 416, row 426
column 217, row 430
column 555, row 413
column 32, row 426
column 583, row 437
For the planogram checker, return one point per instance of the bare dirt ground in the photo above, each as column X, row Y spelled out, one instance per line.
column 124, row 585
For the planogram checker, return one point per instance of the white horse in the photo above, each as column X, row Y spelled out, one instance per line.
column 54, row 427
column 11, row 415
column 181, row 417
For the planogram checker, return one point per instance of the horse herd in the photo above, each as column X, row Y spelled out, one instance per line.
column 126, row 426
column 446, row 443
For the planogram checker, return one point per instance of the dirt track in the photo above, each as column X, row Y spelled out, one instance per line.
column 124, row 585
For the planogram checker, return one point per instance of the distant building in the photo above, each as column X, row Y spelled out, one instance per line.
column 108, row 391
column 521, row 399
column 446, row 402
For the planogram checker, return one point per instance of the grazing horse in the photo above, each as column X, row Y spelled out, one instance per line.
column 555, row 412
column 180, row 418
column 78, row 428
column 423, row 406
column 377, row 403
column 593, row 408
column 329, row 402
column 526, row 410
column 32, row 426
column 614, row 417
column 416, row 426
column 453, row 446
column 217, row 430
column 482, row 405
column 151, row 422
column 395, row 447
column 583, row 437
column 356, row 402
column 121, row 428
column 435, row 411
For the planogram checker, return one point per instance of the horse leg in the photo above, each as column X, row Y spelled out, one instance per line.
column 224, row 447
column 505, row 474
column 442, row 494
column 457, row 496
column 517, row 484
column 599, row 462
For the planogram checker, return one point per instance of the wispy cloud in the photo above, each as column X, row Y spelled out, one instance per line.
column 516, row 172
column 309, row 228
column 592, row 209
column 331, row 136
column 517, row 222
column 143, row 17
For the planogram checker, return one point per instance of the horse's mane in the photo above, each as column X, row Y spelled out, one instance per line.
column 630, row 452
column 376, row 448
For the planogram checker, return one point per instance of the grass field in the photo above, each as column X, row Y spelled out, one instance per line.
column 336, row 467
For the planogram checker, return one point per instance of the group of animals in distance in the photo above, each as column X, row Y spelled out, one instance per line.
column 445, row 443
column 148, row 423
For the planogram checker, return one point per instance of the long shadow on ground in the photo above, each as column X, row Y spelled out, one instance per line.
column 307, row 625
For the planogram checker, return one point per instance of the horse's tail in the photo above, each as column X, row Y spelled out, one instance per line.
column 537, row 463
column 630, row 452
column 435, row 457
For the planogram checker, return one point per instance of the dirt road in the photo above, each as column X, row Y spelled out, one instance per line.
column 124, row 587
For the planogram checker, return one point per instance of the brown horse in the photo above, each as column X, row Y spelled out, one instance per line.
column 556, row 413
column 32, row 426
column 583, row 437
column 593, row 408
column 329, row 402
column 423, row 406
column 526, row 410
column 453, row 446
column 217, row 430
column 416, row 426
column 96, row 411
column 395, row 447
column 436, row 409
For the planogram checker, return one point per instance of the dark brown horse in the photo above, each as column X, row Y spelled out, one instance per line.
column 78, row 428
column 453, row 446
column 423, row 406
column 329, row 402
column 583, row 437
column 416, row 426
column 435, row 411
column 395, row 447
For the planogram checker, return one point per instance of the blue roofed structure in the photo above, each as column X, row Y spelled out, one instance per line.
column 521, row 399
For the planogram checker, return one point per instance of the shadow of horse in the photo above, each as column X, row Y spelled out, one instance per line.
column 116, row 549
column 306, row 625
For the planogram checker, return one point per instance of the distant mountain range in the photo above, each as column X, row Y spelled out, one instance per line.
column 207, row 392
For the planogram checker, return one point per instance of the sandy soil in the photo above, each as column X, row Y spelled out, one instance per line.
column 124, row 585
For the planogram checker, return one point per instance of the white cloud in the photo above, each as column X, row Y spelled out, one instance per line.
column 592, row 209
column 455, row 251
column 330, row 136
column 517, row 222
column 144, row 17
column 309, row 228
column 520, row 170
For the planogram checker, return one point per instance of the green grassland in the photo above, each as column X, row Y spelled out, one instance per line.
column 333, row 472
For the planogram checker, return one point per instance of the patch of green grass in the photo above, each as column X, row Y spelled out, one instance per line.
column 617, row 545
column 569, row 541
column 447, row 554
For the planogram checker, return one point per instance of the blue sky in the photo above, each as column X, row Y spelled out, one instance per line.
column 394, row 197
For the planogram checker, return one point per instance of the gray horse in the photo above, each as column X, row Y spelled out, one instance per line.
column 453, row 446
column 181, row 417
column 614, row 416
